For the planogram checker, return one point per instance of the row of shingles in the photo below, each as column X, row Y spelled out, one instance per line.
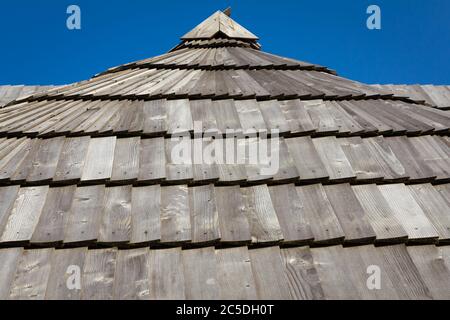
column 438, row 96
column 219, row 42
column 166, row 117
column 205, row 215
column 229, row 161
column 10, row 93
column 240, row 83
column 229, row 274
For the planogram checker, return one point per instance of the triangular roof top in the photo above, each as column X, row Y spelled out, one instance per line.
column 219, row 23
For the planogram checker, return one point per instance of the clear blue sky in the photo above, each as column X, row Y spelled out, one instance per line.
column 412, row 47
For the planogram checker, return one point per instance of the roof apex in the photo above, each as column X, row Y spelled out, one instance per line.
column 219, row 22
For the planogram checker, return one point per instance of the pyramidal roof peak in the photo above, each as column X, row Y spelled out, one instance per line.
column 219, row 23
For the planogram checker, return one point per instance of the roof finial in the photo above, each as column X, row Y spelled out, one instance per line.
column 227, row 11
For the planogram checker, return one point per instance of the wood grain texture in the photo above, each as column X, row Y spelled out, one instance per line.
column 55, row 212
column 46, row 159
column 320, row 215
column 291, row 217
column 175, row 214
column 233, row 224
column 155, row 114
column 126, row 160
column 200, row 274
column 262, row 218
column 146, row 214
column 115, row 226
column 309, row 165
column 433, row 269
column 8, row 197
column 179, row 117
column 302, row 277
column 32, row 273
column 9, row 259
column 61, row 274
column 234, row 274
column 408, row 212
column 350, row 214
column 152, row 161
column 382, row 219
column 99, row 160
column 98, row 274
column 365, row 166
column 270, row 277
column 24, row 215
column 71, row 160
column 297, row 117
column 85, row 215
column 204, row 215
column 131, row 280
column 179, row 160
column 434, row 207
column 334, row 159
column 166, row 275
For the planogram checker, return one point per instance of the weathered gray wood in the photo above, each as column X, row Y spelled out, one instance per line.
column 234, row 274
column 166, row 275
column 24, row 167
column 290, row 214
column 307, row 161
column 32, row 273
column 287, row 171
column 226, row 115
column 63, row 273
column 405, row 153
column 71, row 160
column 126, row 160
column 380, row 150
column 204, row 169
column 320, row 215
column 46, row 160
column 175, row 214
column 408, row 213
column 233, row 224
column 273, row 116
column 131, row 280
column 444, row 191
column 50, row 228
column 432, row 153
column 116, row 217
column 8, row 196
column 400, row 268
column 302, row 277
column 98, row 274
column 13, row 160
column 179, row 160
column 204, row 215
column 351, row 215
column 24, row 215
column 297, row 117
column 85, row 215
column 200, row 274
column 363, row 164
column 320, row 116
column 154, row 117
column 203, row 116
column 380, row 214
column 434, row 207
column 250, row 116
column 152, row 161
column 179, row 117
column 146, row 214
column 334, row 159
column 270, row 277
column 99, row 159
column 9, row 259
column 261, row 216
column 433, row 269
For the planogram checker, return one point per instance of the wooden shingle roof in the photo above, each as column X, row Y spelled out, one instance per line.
column 88, row 178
